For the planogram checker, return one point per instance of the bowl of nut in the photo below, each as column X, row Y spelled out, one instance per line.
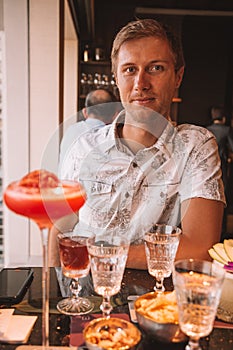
column 112, row 334
column 157, row 315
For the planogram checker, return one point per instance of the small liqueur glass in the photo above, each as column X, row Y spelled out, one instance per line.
column 161, row 243
column 108, row 260
column 198, row 286
column 75, row 264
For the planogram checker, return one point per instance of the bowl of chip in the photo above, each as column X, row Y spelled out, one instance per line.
column 157, row 315
column 112, row 334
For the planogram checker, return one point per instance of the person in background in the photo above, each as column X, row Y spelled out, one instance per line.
column 141, row 170
column 96, row 113
column 224, row 138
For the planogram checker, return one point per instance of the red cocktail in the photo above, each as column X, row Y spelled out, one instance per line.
column 75, row 264
column 42, row 197
column 74, row 256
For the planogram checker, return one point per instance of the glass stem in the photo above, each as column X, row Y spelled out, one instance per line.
column 159, row 287
column 193, row 344
column 106, row 306
column 45, row 288
column 75, row 288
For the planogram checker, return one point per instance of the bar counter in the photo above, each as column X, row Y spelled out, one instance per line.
column 62, row 327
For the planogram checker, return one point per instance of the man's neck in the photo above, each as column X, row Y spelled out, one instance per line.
column 136, row 138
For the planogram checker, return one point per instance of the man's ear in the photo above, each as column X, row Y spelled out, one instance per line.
column 84, row 110
column 179, row 77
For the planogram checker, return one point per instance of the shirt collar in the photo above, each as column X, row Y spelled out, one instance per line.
column 164, row 141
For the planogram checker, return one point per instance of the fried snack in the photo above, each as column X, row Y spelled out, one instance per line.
column 112, row 334
column 161, row 308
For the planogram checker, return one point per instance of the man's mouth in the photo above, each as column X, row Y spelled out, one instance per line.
column 143, row 101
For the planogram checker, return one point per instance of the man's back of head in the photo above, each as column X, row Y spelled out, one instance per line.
column 218, row 115
column 101, row 104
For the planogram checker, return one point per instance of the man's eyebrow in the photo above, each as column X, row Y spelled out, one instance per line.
column 151, row 62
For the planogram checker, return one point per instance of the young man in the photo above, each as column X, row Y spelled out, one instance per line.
column 141, row 170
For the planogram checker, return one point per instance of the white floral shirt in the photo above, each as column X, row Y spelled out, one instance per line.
column 131, row 192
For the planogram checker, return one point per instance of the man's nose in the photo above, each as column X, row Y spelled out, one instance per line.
column 142, row 81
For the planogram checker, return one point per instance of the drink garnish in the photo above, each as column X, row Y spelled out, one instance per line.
column 40, row 179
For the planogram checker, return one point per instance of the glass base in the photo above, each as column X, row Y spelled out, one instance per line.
column 75, row 306
column 41, row 347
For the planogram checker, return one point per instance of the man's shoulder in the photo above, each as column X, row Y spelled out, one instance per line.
column 93, row 137
column 76, row 127
column 193, row 130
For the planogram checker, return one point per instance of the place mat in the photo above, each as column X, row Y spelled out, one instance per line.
column 35, row 306
column 221, row 324
column 78, row 323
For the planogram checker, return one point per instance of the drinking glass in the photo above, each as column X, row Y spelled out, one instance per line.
column 161, row 243
column 108, row 260
column 41, row 198
column 198, row 286
column 75, row 264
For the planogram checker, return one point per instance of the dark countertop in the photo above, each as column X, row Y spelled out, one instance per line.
column 135, row 282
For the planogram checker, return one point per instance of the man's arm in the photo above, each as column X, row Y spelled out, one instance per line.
column 201, row 229
column 137, row 257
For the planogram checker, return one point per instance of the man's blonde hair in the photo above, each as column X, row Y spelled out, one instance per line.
column 147, row 28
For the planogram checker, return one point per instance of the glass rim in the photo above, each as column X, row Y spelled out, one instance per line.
column 187, row 266
column 175, row 230
column 107, row 244
column 73, row 233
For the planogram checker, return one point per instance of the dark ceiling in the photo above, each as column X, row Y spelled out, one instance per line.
column 90, row 15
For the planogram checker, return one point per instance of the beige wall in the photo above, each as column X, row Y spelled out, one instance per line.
column 1, row 14
column 31, row 107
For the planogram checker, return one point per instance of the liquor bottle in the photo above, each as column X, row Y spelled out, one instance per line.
column 86, row 54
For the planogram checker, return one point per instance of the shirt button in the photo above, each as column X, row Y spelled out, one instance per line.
column 134, row 165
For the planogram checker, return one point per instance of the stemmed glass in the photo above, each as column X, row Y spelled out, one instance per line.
column 108, row 260
column 198, row 285
column 161, row 243
column 40, row 196
column 75, row 264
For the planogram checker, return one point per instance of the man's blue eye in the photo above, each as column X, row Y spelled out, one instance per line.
column 130, row 69
column 156, row 68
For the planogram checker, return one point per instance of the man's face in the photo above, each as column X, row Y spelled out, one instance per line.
column 146, row 74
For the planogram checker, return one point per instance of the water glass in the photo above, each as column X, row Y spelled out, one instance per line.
column 198, row 286
column 108, row 260
column 161, row 243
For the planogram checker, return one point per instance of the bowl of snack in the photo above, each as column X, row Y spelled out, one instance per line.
column 112, row 334
column 157, row 315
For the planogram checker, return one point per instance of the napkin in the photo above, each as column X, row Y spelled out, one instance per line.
column 15, row 328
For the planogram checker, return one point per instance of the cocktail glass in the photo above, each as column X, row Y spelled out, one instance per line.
column 108, row 260
column 75, row 264
column 198, row 286
column 42, row 198
column 161, row 243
